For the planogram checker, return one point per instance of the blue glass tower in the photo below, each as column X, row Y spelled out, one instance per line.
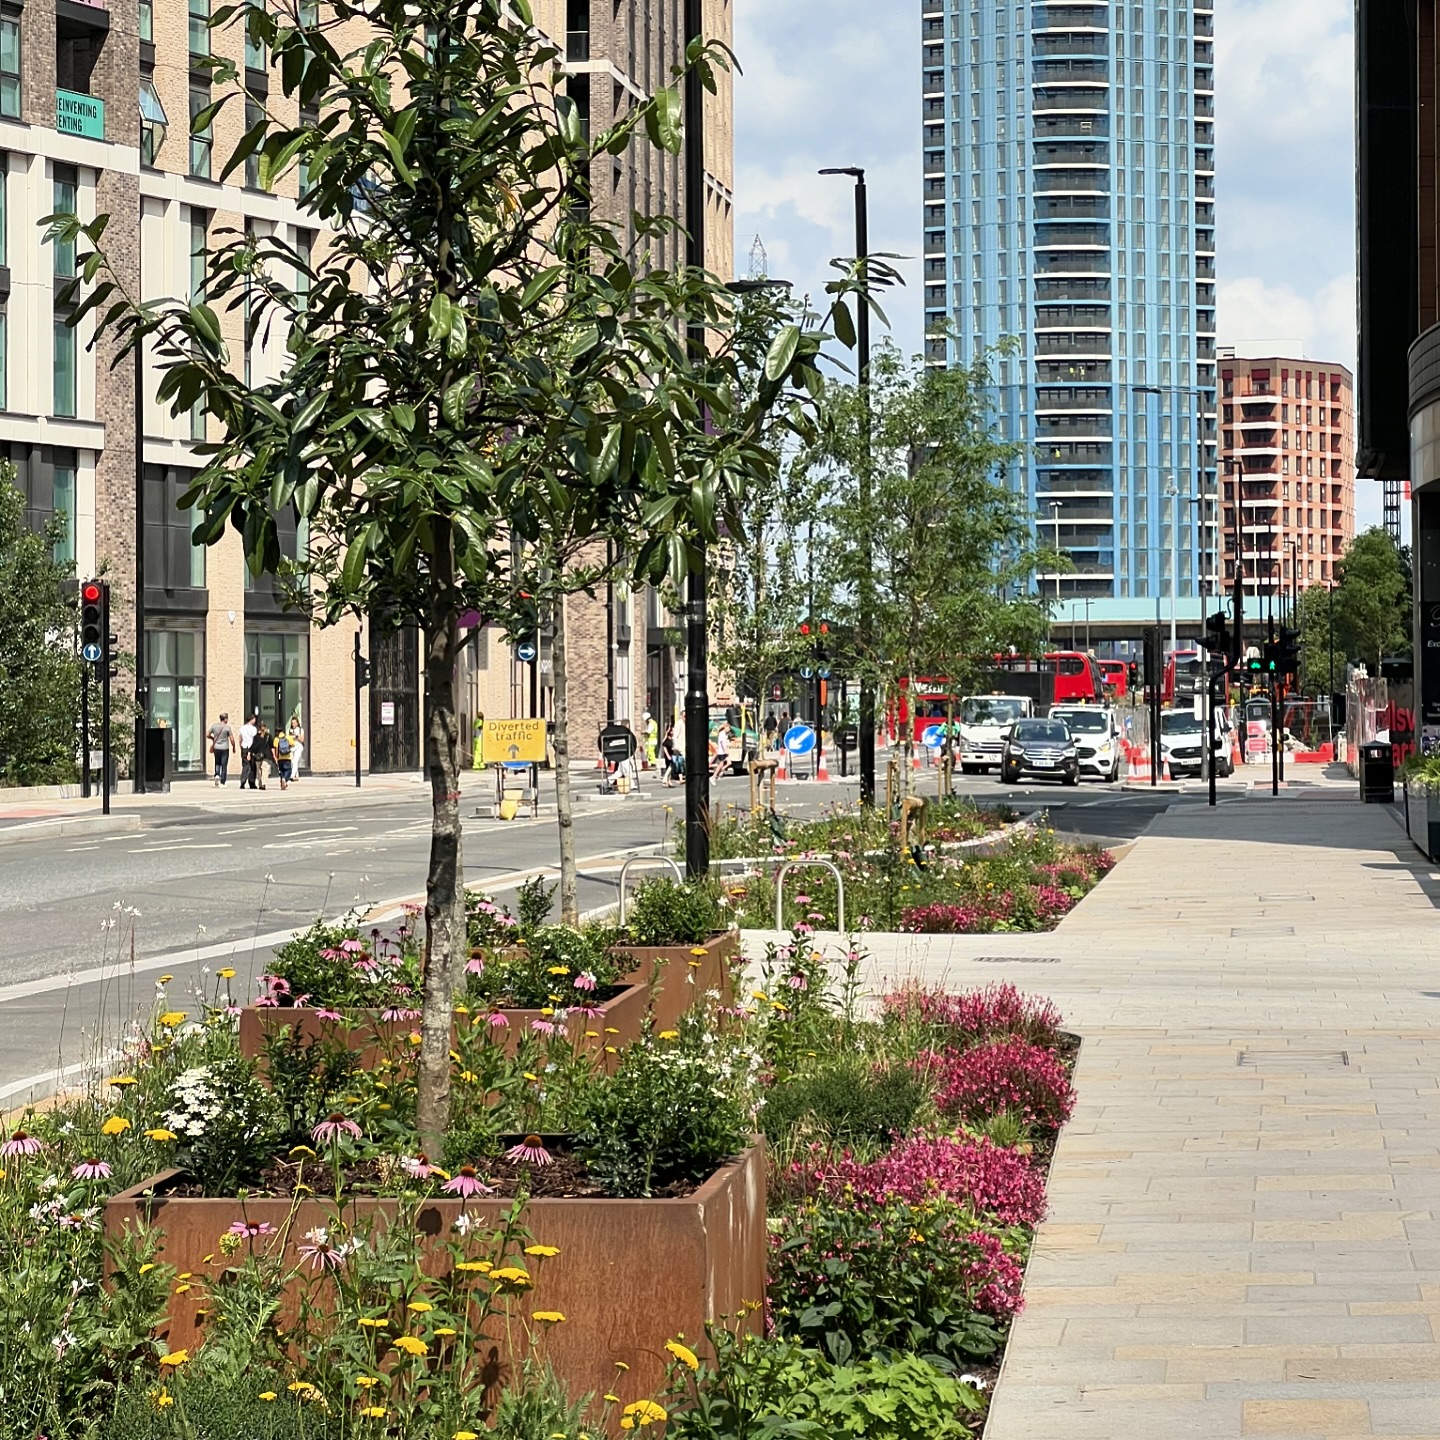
column 1069, row 204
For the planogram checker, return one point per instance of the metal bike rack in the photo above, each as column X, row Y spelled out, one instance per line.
column 790, row 865
column 645, row 860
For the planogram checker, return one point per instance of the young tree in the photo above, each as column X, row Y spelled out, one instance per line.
column 473, row 356
column 1373, row 599
column 949, row 548
column 39, row 667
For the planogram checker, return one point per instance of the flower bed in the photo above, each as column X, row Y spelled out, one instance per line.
column 626, row 1274
column 970, row 876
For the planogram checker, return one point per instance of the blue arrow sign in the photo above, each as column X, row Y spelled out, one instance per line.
column 800, row 739
column 823, row 672
column 933, row 736
column 806, row 673
column 526, row 652
column 91, row 652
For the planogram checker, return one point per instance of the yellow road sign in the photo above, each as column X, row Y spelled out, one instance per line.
column 515, row 742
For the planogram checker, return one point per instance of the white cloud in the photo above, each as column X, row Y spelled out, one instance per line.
column 1263, row 318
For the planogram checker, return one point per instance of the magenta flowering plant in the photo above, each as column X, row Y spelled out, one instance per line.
column 1028, row 1081
column 965, row 1017
column 342, row 966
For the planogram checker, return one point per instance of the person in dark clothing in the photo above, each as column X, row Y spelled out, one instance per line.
column 262, row 752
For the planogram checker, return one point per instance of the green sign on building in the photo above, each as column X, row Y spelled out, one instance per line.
column 79, row 114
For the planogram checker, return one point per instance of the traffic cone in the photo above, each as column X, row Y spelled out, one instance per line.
column 1165, row 768
column 780, row 764
column 821, row 773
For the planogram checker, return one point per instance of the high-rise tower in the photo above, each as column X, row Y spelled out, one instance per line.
column 1069, row 204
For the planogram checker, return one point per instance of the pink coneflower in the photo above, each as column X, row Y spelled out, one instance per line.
column 796, row 982
column 250, row 1229
column 410, row 908
column 319, row 1251
column 276, row 984
column 21, row 1144
column 543, row 1027
column 399, row 1012
column 352, row 947
column 91, row 1170
column 499, row 1020
column 335, row 1127
column 475, row 965
column 585, row 981
column 802, row 899
column 328, row 1014
column 590, row 1012
column 530, row 1150
column 466, row 1183
column 417, row 1167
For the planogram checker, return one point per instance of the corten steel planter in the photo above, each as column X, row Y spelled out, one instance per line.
column 373, row 1038
column 677, row 977
column 630, row 1275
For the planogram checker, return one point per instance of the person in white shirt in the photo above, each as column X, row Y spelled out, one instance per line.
column 247, row 765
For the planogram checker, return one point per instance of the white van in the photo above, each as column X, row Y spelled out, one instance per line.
column 1096, row 729
column 984, row 722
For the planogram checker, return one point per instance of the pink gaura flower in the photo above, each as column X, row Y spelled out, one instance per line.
column 91, row 1170
column 335, row 1127
column 466, row 1183
column 21, row 1144
column 531, row 1150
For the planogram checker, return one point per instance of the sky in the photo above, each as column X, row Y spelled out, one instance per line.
column 837, row 82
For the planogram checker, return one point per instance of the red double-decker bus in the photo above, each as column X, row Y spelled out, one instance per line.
column 1059, row 677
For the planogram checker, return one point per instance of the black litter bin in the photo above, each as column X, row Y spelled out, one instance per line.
column 1377, row 773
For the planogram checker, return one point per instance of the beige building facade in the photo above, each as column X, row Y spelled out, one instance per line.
column 95, row 105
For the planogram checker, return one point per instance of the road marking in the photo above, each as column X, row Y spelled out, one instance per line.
column 181, row 845
column 241, row 830
column 75, row 849
column 329, row 830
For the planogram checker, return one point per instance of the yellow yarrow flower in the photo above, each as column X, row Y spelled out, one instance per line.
column 549, row 1317
column 484, row 1267
column 373, row 1412
column 643, row 1412
column 163, row 1399
column 115, row 1125
column 175, row 1358
column 370, row 1324
column 549, row 1251
column 160, row 1134
column 366, row 1381
column 268, row 1395
column 420, row 1307
column 411, row 1346
column 226, row 974
column 512, row 1275
column 120, row 1081
column 669, row 1035
column 171, row 1018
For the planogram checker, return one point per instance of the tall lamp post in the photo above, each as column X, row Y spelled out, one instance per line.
column 1173, row 491
column 1055, row 508
column 697, row 686
column 867, row 604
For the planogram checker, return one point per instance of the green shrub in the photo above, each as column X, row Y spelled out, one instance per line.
column 665, row 1117
column 226, row 1123
column 847, row 1102
column 662, row 912
column 201, row 1407
column 543, row 970
column 762, row 1388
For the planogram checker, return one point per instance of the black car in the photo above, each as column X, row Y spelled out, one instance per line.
column 1040, row 747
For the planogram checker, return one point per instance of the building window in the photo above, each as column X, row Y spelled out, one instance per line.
column 64, row 483
column 153, row 122
column 173, row 562
column 200, row 27
column 305, row 255
column 4, row 360
column 10, row 64
column 63, row 200
column 203, row 141
column 147, row 21
column 4, row 208
column 199, row 240
column 64, row 396
column 254, row 114
column 255, row 58
column 175, row 665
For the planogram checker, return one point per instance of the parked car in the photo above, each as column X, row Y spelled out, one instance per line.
column 1096, row 730
column 1040, row 747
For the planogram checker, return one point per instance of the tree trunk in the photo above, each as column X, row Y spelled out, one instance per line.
column 445, row 938
column 564, row 806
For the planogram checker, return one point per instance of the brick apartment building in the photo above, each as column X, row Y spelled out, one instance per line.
column 1287, row 447
column 95, row 102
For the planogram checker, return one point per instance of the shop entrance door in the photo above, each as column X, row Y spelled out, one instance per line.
column 267, row 697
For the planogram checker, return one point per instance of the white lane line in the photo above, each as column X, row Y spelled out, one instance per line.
column 330, row 830
column 75, row 849
column 239, row 830
column 186, row 845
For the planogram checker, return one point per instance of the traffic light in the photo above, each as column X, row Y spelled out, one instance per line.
column 94, row 620
column 1133, row 670
column 1288, row 650
column 362, row 672
column 1217, row 633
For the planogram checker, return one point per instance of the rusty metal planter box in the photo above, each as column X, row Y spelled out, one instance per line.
column 366, row 1032
column 631, row 1274
column 677, row 977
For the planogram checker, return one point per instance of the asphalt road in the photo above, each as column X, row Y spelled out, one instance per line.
column 90, row 923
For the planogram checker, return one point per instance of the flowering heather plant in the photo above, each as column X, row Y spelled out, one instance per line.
column 1009, row 1074
column 973, row 1015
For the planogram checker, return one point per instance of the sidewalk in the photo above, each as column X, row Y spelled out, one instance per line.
column 1243, row 1237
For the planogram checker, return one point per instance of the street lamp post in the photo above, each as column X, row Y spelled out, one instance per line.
column 697, row 687
column 1055, row 508
column 867, row 603
column 1173, row 491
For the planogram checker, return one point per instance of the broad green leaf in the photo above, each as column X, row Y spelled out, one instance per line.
column 664, row 120
column 782, row 352
column 440, row 317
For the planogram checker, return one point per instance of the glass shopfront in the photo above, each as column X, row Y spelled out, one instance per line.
column 277, row 679
column 175, row 661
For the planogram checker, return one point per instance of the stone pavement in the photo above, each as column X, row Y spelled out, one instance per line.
column 1243, row 1236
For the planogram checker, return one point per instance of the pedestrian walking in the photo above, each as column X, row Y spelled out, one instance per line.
column 652, row 740
column 670, row 758
column 262, row 752
column 247, row 765
column 781, row 728
column 284, row 758
column 297, row 746
column 477, row 756
column 222, row 737
column 721, row 762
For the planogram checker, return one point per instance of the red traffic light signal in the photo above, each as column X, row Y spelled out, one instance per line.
column 90, row 592
column 805, row 627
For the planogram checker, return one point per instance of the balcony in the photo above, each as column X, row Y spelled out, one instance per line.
column 1076, row 99
column 1094, row 345
column 1049, row 72
column 1071, row 17
column 77, row 114
column 1073, row 262
column 1072, row 207
column 1046, row 45
column 1079, row 182
column 1054, row 236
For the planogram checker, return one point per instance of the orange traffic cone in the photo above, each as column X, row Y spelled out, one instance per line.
column 780, row 756
column 821, row 773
